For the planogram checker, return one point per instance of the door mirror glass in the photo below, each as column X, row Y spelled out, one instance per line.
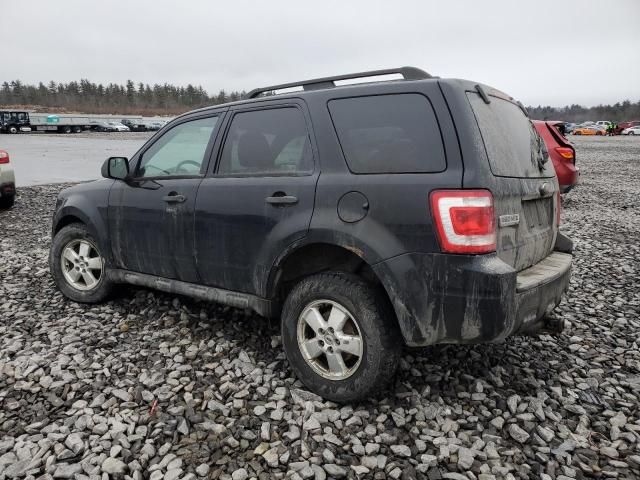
column 116, row 168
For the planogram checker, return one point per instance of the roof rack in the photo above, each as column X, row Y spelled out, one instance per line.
column 409, row 73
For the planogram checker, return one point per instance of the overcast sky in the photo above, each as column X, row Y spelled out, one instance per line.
column 540, row 51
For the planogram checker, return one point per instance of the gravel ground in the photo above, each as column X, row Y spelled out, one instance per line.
column 154, row 386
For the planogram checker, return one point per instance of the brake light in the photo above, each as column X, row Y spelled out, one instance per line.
column 558, row 207
column 565, row 152
column 4, row 157
column 464, row 220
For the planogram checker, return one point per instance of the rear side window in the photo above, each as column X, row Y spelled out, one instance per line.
column 513, row 146
column 389, row 134
column 267, row 142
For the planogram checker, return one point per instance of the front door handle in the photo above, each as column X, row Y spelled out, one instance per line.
column 175, row 198
column 282, row 199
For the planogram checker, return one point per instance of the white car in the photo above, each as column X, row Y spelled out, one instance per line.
column 631, row 131
column 604, row 123
column 7, row 181
column 118, row 127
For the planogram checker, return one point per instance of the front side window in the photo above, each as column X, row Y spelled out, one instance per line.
column 396, row 133
column 180, row 151
column 267, row 142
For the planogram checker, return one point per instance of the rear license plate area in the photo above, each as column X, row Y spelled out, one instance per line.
column 538, row 213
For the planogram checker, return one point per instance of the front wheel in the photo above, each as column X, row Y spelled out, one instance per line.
column 77, row 266
column 340, row 336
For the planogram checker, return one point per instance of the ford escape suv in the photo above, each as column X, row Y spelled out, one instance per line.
column 365, row 217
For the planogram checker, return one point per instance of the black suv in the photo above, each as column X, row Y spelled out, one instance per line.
column 366, row 217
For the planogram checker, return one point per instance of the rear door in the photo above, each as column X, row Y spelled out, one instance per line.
column 260, row 197
column 520, row 176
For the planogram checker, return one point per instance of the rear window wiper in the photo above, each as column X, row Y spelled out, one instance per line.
column 483, row 94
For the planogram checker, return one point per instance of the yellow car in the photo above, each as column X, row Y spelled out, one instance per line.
column 590, row 130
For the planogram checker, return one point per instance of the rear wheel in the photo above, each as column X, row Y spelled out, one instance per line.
column 7, row 201
column 66, row 129
column 77, row 266
column 340, row 336
column 77, row 129
column 630, row 133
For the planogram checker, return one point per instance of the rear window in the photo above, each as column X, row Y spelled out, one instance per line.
column 389, row 134
column 513, row 146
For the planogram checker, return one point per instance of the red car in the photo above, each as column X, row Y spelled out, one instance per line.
column 562, row 154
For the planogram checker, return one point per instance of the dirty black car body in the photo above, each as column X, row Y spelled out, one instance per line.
column 416, row 211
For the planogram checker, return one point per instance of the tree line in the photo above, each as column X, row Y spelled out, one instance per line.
column 131, row 98
column 166, row 99
column 618, row 112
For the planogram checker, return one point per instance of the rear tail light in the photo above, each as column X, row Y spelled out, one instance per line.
column 565, row 152
column 464, row 220
column 4, row 157
column 558, row 207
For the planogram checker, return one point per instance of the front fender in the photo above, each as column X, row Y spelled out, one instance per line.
column 87, row 203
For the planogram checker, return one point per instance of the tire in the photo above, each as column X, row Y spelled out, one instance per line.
column 67, row 237
column 66, row 129
column 630, row 133
column 369, row 317
column 13, row 129
column 77, row 129
column 7, row 202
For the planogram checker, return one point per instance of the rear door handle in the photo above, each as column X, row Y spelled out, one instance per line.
column 174, row 198
column 282, row 200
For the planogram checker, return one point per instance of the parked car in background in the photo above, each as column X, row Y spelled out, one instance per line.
column 134, row 125
column 101, row 127
column 569, row 127
column 362, row 217
column 118, row 127
column 604, row 123
column 588, row 130
column 625, row 125
column 562, row 153
column 631, row 131
column 7, row 181
column 156, row 125
column 109, row 127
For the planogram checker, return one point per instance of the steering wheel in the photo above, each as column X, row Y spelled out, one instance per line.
column 187, row 162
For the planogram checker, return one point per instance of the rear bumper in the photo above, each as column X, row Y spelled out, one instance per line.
column 472, row 299
column 568, row 175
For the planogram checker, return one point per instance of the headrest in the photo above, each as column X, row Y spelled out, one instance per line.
column 254, row 152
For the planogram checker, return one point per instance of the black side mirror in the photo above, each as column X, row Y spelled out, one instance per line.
column 116, row 168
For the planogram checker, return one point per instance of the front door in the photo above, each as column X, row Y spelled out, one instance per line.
column 151, row 215
column 259, row 200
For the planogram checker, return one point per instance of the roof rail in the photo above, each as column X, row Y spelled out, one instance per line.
column 409, row 73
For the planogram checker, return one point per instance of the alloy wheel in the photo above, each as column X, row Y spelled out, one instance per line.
column 330, row 340
column 82, row 265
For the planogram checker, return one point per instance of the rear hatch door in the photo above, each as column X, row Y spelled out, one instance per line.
column 518, row 172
